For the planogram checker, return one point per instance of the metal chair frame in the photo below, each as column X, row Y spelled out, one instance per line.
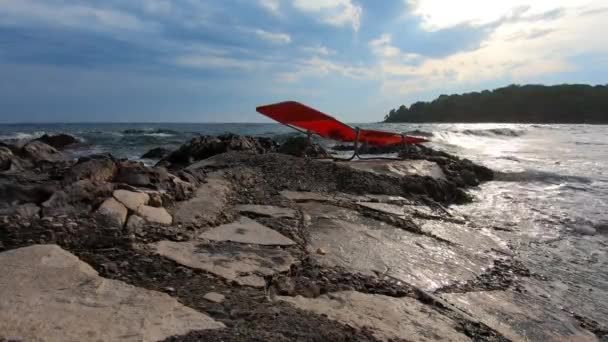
column 309, row 134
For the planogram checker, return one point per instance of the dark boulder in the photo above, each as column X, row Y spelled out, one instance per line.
column 208, row 146
column 370, row 149
column 38, row 152
column 157, row 153
column 303, row 147
column 77, row 198
column 94, row 169
column 58, row 141
column 12, row 193
column 462, row 172
column 138, row 174
column 6, row 158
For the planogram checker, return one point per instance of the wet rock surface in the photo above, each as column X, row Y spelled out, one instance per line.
column 266, row 246
column 58, row 141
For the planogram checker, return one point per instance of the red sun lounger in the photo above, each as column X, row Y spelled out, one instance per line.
column 312, row 121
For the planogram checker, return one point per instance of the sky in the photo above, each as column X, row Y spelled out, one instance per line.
column 216, row 60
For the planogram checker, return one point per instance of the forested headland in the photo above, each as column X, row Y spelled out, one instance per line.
column 515, row 103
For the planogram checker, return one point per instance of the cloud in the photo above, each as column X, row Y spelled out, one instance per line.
column 440, row 14
column 333, row 12
column 215, row 62
column 316, row 67
column 83, row 17
column 275, row 38
column 510, row 52
column 272, row 6
column 318, row 50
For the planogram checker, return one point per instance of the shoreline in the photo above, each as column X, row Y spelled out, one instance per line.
column 319, row 244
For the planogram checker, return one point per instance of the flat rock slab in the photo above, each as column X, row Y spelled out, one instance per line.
column 242, row 264
column 305, row 196
column 387, row 317
column 474, row 240
column 49, row 293
column 371, row 247
column 407, row 210
column 155, row 215
column 519, row 317
column 246, row 230
column 207, row 205
column 130, row 199
column 266, row 210
column 399, row 168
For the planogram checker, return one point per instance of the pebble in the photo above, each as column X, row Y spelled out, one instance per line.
column 214, row 297
column 169, row 289
column 321, row 251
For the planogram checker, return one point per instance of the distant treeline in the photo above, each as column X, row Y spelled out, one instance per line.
column 515, row 103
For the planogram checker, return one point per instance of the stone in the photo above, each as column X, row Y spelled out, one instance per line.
column 156, row 199
column 400, row 168
column 156, row 153
column 131, row 200
column 386, row 208
column 387, row 318
column 207, row 146
column 58, row 141
column 246, row 230
column 77, row 198
column 49, row 293
column 155, row 215
column 585, row 230
column 468, row 238
column 38, row 151
column 245, row 265
column 28, row 211
column 138, row 174
column 303, row 147
column 215, row 297
column 304, row 196
column 266, row 210
column 100, row 170
column 519, row 317
column 208, row 204
column 6, row 158
column 135, row 224
column 371, row 247
column 113, row 211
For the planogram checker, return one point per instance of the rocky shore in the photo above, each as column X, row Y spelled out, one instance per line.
column 234, row 238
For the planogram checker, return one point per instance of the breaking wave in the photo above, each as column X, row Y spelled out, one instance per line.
column 17, row 136
column 160, row 132
column 501, row 132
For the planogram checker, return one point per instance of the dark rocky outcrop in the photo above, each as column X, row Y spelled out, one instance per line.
column 77, row 198
column 462, row 172
column 208, row 146
column 303, row 147
column 58, row 141
column 6, row 158
column 95, row 169
column 39, row 152
column 370, row 149
column 138, row 174
column 157, row 153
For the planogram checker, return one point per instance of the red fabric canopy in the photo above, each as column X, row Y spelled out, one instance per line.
column 295, row 114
